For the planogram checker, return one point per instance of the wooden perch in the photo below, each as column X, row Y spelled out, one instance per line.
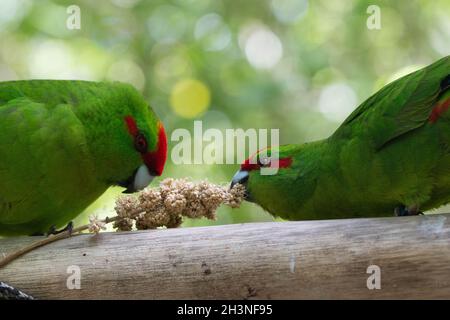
column 311, row 259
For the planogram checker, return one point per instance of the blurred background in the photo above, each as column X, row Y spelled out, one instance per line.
column 295, row 65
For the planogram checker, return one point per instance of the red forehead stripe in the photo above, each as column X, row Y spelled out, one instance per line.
column 154, row 160
column 247, row 166
column 131, row 125
column 282, row 163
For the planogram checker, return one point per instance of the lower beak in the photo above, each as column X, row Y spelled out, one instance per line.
column 241, row 177
column 140, row 179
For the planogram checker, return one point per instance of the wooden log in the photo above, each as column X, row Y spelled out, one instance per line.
column 291, row 260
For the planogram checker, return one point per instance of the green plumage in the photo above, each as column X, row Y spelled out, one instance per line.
column 393, row 150
column 62, row 144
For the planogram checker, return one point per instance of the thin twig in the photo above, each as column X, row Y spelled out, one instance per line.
column 52, row 238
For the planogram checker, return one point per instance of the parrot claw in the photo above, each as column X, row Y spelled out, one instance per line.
column 403, row 211
column 53, row 230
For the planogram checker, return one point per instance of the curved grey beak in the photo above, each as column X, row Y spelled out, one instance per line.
column 140, row 179
column 241, row 177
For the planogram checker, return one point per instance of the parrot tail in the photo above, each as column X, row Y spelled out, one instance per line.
column 10, row 293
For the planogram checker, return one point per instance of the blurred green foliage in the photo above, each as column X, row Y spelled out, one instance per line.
column 297, row 65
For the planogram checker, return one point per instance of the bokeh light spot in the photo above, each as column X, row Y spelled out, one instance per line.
column 263, row 48
column 190, row 98
column 289, row 11
column 167, row 23
column 336, row 101
column 440, row 34
column 53, row 59
column 169, row 68
column 13, row 11
column 212, row 32
column 127, row 71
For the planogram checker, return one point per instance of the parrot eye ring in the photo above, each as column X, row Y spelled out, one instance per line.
column 264, row 161
column 140, row 143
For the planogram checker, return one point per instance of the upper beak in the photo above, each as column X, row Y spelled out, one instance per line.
column 241, row 177
column 140, row 179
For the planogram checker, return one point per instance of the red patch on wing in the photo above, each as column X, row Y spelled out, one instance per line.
column 438, row 110
column 154, row 160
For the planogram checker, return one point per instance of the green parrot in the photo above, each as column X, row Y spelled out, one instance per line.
column 64, row 143
column 391, row 155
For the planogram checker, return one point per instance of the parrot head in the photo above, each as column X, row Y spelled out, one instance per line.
column 153, row 158
column 127, row 140
column 276, row 181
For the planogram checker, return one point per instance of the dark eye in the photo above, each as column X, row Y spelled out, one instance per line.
column 140, row 143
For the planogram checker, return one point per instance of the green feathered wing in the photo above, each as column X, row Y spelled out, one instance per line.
column 400, row 107
column 44, row 163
